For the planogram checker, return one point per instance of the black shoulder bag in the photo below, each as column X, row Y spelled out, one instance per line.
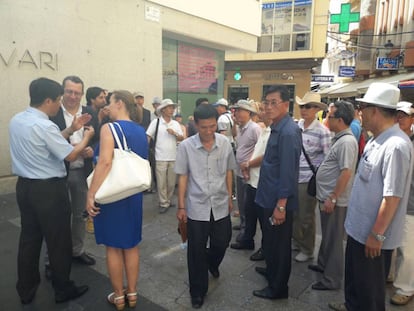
column 312, row 182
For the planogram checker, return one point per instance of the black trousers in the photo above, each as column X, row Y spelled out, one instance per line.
column 45, row 213
column 199, row 257
column 252, row 215
column 277, row 251
column 365, row 278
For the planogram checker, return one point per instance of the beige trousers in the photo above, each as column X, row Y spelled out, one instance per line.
column 166, row 179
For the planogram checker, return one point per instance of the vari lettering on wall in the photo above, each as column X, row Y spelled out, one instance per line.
column 27, row 58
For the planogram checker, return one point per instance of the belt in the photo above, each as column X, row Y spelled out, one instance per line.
column 52, row 179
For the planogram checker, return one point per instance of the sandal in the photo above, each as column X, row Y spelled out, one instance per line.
column 118, row 302
column 400, row 300
column 132, row 299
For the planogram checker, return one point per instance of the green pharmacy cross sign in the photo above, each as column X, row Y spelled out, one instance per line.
column 345, row 17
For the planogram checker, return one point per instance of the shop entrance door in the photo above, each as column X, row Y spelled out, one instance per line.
column 236, row 92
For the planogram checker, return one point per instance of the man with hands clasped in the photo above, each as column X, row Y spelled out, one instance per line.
column 205, row 164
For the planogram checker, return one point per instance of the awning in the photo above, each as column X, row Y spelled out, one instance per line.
column 326, row 91
column 358, row 88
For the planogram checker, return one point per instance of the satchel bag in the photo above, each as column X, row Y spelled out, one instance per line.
column 129, row 174
column 312, row 182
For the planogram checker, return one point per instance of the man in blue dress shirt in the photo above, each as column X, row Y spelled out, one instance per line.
column 38, row 149
column 277, row 193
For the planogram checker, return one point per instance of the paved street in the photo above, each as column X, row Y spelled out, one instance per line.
column 163, row 283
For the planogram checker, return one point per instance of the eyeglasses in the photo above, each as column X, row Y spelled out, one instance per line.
column 71, row 92
column 362, row 106
column 307, row 106
column 272, row 102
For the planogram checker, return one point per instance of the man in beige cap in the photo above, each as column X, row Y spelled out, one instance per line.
column 316, row 140
column 165, row 132
column 378, row 203
column 247, row 135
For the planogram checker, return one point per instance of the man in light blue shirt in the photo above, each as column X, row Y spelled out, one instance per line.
column 38, row 149
column 205, row 164
column 378, row 202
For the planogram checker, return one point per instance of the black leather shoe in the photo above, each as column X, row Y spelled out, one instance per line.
column 261, row 271
column 197, row 302
column 267, row 293
column 236, row 227
column 48, row 273
column 71, row 293
column 239, row 245
column 257, row 256
column 214, row 272
column 315, row 268
column 320, row 286
column 85, row 259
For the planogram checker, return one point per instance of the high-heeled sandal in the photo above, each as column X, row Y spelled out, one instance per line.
column 132, row 302
column 118, row 302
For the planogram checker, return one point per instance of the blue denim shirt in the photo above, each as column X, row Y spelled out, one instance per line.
column 279, row 172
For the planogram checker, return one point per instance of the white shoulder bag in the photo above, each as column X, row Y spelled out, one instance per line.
column 129, row 174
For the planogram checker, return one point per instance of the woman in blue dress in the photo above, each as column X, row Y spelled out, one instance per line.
column 118, row 225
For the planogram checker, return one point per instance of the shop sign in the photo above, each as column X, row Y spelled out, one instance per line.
column 386, row 63
column 346, row 71
column 322, row 78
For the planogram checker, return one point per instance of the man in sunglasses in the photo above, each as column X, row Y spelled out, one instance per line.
column 378, row 203
column 316, row 140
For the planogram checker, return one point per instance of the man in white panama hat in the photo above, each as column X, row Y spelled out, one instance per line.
column 378, row 202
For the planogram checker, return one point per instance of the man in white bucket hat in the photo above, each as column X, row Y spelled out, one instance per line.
column 165, row 132
column 378, row 203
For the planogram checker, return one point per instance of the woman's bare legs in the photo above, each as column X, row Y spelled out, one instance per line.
column 131, row 260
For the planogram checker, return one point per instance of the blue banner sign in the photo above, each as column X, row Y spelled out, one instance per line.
column 386, row 63
column 346, row 71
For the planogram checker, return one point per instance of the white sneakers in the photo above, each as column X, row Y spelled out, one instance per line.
column 302, row 257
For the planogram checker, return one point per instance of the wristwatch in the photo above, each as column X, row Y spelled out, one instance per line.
column 333, row 200
column 378, row 237
column 281, row 209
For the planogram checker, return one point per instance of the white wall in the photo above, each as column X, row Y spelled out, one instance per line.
column 243, row 15
column 108, row 43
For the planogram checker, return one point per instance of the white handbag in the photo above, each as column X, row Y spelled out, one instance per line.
column 129, row 174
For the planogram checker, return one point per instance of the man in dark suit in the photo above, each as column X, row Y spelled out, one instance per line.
column 79, row 169
column 146, row 114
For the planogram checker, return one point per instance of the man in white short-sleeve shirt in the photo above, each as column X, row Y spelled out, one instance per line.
column 166, row 132
column 378, row 203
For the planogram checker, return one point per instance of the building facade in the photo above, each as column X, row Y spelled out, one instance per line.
column 380, row 47
column 119, row 45
column 291, row 45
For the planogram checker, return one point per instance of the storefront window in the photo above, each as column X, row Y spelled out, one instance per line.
column 191, row 72
column 286, row 26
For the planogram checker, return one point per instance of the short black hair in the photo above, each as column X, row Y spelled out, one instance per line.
column 204, row 112
column 200, row 100
column 92, row 93
column 344, row 110
column 42, row 89
column 74, row 79
column 279, row 88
